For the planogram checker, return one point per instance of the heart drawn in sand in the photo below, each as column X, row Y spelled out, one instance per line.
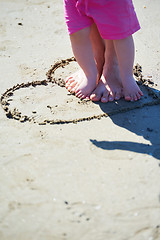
column 49, row 102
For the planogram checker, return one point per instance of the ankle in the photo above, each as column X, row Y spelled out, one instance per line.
column 91, row 74
column 127, row 77
column 111, row 67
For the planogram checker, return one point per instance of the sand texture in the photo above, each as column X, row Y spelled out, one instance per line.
column 72, row 169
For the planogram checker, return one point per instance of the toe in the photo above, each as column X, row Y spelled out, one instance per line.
column 140, row 92
column 76, row 86
column 69, row 88
column 105, row 96
column 73, row 84
column 111, row 97
column 117, row 96
column 79, row 94
column 67, row 85
column 69, row 79
column 87, row 97
column 73, row 90
column 128, row 98
column 135, row 98
column 82, row 97
column 69, row 82
column 98, row 92
column 95, row 96
column 138, row 96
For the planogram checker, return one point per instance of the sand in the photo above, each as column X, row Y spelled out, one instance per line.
column 62, row 179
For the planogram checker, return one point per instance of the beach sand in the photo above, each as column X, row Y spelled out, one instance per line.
column 71, row 169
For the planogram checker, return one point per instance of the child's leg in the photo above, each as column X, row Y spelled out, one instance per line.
column 110, row 86
column 88, row 48
column 98, row 47
column 82, row 50
column 125, row 53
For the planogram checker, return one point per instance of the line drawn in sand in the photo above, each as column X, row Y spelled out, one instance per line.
column 48, row 101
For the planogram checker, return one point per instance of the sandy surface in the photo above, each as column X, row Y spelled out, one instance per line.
column 93, row 180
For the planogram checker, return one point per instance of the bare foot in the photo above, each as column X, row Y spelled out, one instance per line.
column 131, row 90
column 101, row 93
column 114, row 84
column 110, row 86
column 81, row 85
column 74, row 80
column 125, row 49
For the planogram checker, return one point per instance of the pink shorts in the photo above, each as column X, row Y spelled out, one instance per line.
column 115, row 19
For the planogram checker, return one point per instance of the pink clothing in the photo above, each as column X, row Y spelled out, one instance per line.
column 115, row 19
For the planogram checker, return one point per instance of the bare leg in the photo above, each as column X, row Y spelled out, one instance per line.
column 82, row 49
column 110, row 86
column 125, row 53
column 98, row 47
column 88, row 48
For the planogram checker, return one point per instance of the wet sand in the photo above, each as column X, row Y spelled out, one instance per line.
column 67, row 179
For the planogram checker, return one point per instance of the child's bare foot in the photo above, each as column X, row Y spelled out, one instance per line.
column 81, row 85
column 86, row 87
column 131, row 90
column 74, row 80
column 101, row 93
column 114, row 84
column 110, row 86
column 125, row 54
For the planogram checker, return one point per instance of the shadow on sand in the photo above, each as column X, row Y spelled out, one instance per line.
column 143, row 122
column 146, row 120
